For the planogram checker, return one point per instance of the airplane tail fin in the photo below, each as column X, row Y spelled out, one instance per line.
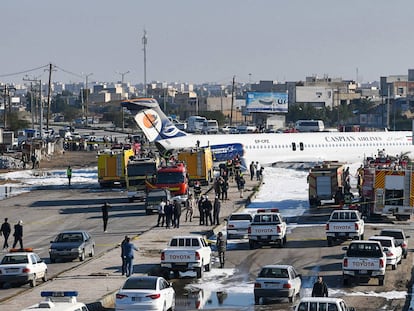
column 150, row 118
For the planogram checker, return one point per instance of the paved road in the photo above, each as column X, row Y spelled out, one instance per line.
column 47, row 212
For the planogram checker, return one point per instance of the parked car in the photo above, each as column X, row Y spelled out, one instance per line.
column 400, row 238
column 237, row 225
column 277, row 281
column 22, row 267
column 228, row 129
column 393, row 252
column 71, row 245
column 145, row 293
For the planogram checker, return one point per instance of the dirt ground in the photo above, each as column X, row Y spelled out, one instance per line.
column 76, row 159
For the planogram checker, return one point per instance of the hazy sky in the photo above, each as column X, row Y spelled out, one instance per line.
column 207, row 41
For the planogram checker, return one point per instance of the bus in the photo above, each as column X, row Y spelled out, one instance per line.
column 310, row 126
column 195, row 124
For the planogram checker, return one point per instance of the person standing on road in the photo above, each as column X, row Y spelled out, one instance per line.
column 177, row 214
column 252, row 168
column 161, row 213
column 201, row 209
column 123, row 257
column 216, row 210
column 169, row 210
column 128, row 251
column 241, row 185
column 319, row 288
column 5, row 231
column 258, row 170
column 18, row 234
column 221, row 248
column 69, row 174
column 208, row 209
column 189, row 206
column 105, row 215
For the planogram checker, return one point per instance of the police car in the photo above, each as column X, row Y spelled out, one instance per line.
column 22, row 266
column 59, row 301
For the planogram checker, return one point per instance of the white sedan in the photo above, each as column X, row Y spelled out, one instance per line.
column 393, row 252
column 277, row 281
column 145, row 293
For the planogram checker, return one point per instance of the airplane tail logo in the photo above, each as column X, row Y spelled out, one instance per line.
column 152, row 121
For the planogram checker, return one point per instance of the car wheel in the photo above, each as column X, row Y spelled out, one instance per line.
column 251, row 244
column 164, row 307
column 381, row 282
column 44, row 278
column 82, row 256
column 176, row 274
column 199, row 272
column 329, row 241
column 292, row 298
column 207, row 267
column 148, row 212
column 33, row 281
column 92, row 253
column 284, row 240
column 52, row 260
column 361, row 237
column 394, row 267
column 256, row 300
column 345, row 281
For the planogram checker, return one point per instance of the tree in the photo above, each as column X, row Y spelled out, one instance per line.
column 15, row 123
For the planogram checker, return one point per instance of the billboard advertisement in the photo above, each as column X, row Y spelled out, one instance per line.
column 267, row 102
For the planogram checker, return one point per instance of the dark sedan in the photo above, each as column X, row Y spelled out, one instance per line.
column 71, row 245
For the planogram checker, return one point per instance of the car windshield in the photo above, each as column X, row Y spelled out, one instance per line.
column 241, row 217
column 274, row 273
column 384, row 243
column 14, row 259
column 69, row 237
column 170, row 178
column 394, row 234
column 140, row 283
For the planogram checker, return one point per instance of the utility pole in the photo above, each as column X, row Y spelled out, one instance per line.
column 232, row 101
column 48, row 96
column 33, row 105
column 86, row 98
column 144, row 42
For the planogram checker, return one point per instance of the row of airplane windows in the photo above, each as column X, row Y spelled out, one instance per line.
column 404, row 143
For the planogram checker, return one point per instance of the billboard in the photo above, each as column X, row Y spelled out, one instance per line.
column 267, row 102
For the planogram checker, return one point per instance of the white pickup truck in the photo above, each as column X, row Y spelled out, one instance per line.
column 186, row 253
column 344, row 225
column 267, row 227
column 364, row 260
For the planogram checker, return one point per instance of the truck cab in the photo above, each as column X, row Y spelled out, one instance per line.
column 172, row 177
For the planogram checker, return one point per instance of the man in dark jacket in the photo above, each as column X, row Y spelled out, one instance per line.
column 201, row 209
column 177, row 214
column 216, row 210
column 18, row 234
column 221, row 248
column 105, row 215
column 208, row 209
column 319, row 288
column 5, row 231
column 169, row 210
column 124, row 267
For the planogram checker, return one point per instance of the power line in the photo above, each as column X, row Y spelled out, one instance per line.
column 22, row 72
column 69, row 72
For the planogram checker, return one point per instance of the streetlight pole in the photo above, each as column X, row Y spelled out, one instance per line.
column 144, row 42
column 122, row 108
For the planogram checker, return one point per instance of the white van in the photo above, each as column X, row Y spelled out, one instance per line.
column 309, row 126
column 322, row 304
column 210, row 127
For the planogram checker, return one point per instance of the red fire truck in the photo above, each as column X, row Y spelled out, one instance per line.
column 172, row 177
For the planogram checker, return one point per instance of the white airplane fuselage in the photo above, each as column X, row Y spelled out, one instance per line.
column 300, row 147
